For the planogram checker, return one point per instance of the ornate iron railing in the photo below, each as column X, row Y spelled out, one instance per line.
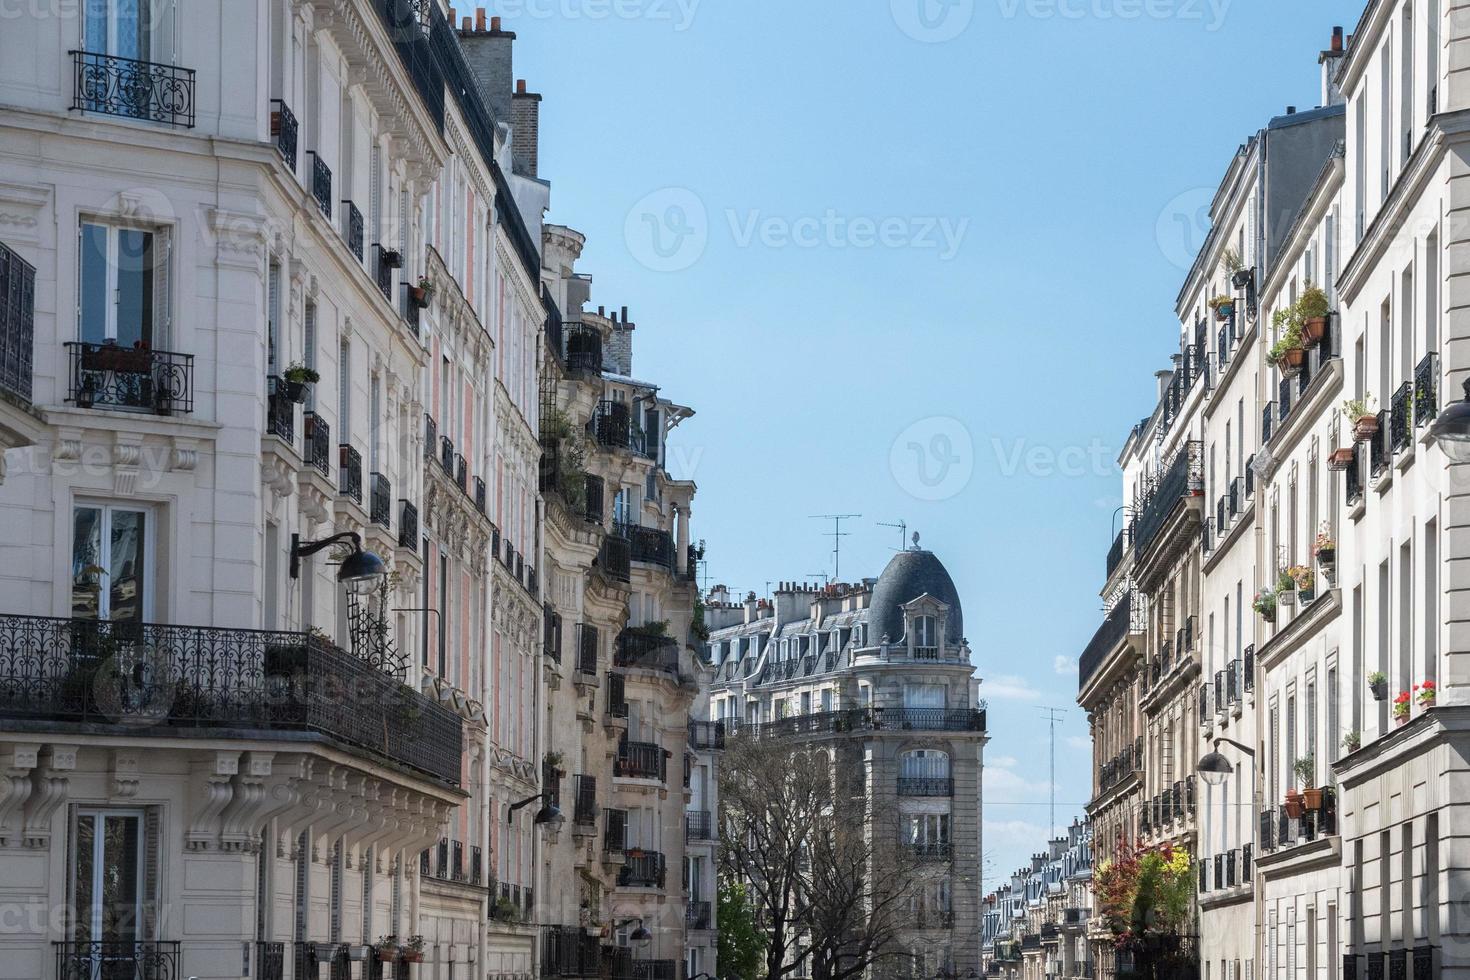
column 651, row 651
column 130, row 378
column 567, row 951
column 615, row 558
column 410, row 307
column 479, row 494
column 866, row 719
column 1401, row 418
column 280, row 414
column 615, row 831
column 408, row 525
column 270, row 961
column 1268, row 422
column 117, row 86
column 321, row 183
column 595, row 508
column 617, row 702
column 588, row 639
column 352, row 231
column 17, row 323
column 649, row 545
column 283, row 132
column 699, row 825
column 612, row 425
column 705, row 736
column 318, row 443
column 929, row 850
column 1353, row 478
column 1426, row 390
column 583, row 348
column 1378, row 454
column 925, row 786
column 446, row 455
column 1112, row 632
column 431, row 436
column 381, row 501
column 155, row 677
column 349, row 473
column 641, row 869
column 1183, row 477
column 1115, row 553
column 461, row 473
column 117, row 960
column 383, row 271
column 698, row 915
column 641, row 760
column 584, row 799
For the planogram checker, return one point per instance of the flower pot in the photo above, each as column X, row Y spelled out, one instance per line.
column 1365, row 428
column 1307, row 596
column 1312, row 799
column 119, row 360
column 294, row 391
column 1286, row 598
column 392, row 259
column 421, row 297
column 1293, row 361
column 1327, row 556
column 413, row 956
column 1400, row 720
column 1314, row 330
column 1341, row 459
column 1380, row 690
column 1294, row 805
column 1224, row 310
column 387, row 955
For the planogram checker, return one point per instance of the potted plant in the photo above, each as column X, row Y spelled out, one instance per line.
column 423, row 292
column 1304, row 581
column 109, row 356
column 1325, row 547
column 1359, row 412
column 1305, row 769
column 414, row 951
column 326, row 952
column 1341, row 459
column 505, row 911
column 392, row 258
column 1285, row 588
column 1289, row 352
column 1230, row 262
column 1295, row 805
column 1353, row 740
column 387, row 947
column 1426, row 695
column 1311, row 310
column 1401, row 708
column 1223, row 306
column 1378, row 684
column 1265, row 605
column 295, row 378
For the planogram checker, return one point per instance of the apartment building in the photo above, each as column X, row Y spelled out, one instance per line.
column 631, row 893
column 879, row 668
column 1035, row 925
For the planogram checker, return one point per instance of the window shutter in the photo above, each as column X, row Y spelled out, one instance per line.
column 375, row 194
column 335, row 898
column 162, row 308
column 309, row 329
column 367, row 895
column 152, row 846
column 303, row 871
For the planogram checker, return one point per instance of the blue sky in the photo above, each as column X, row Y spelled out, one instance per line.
column 916, row 268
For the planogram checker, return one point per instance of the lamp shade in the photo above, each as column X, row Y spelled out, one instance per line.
column 640, row 935
column 1214, row 767
column 1451, row 430
column 361, row 570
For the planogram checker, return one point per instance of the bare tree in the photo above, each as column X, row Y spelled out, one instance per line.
column 820, row 858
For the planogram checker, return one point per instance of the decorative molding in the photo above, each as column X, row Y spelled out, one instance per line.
column 15, row 786
column 49, row 784
column 211, row 778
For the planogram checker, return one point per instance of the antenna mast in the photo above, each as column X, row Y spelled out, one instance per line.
column 1053, row 715
column 837, row 535
column 903, row 532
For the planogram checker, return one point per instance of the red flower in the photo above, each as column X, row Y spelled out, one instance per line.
column 1428, row 685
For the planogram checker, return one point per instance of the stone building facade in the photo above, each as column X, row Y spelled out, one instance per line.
column 1034, row 926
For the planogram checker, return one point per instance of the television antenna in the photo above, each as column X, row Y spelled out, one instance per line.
column 903, row 532
column 1053, row 715
column 837, row 535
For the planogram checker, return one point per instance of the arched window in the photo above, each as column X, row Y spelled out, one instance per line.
column 920, row 763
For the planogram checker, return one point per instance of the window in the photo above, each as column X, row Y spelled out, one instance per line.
column 927, row 828
column 123, row 285
column 123, row 28
column 111, row 874
column 922, row 763
column 110, row 558
column 926, row 631
column 923, row 695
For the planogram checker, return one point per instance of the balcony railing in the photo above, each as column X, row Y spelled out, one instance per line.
column 158, row 678
column 117, row 960
column 431, row 436
column 1426, row 390
column 699, row 915
column 479, row 494
column 271, row 961
column 1401, row 418
column 551, row 633
column 641, row 760
column 17, row 324
column 615, row 558
column 866, row 719
column 384, row 262
column 641, row 869
column 1183, row 478
column 1280, row 830
column 583, row 347
column 352, row 229
column 1268, row 422
column 283, row 132
column 584, row 795
column 567, row 951
column 381, row 501
column 318, row 443
column 446, row 455
column 410, row 307
column 706, row 735
column 650, row 545
column 1115, row 553
column 116, row 86
column 614, row 831
column 588, row 641
column 928, row 850
column 136, row 379
column 1112, row 632
column 636, row 647
column 612, row 425
column 280, row 414
column 349, row 473
column 595, row 508
column 617, row 702
column 461, row 473
column 1353, row 478
column 408, row 525
column 321, row 183
column 925, row 786
column 699, row 825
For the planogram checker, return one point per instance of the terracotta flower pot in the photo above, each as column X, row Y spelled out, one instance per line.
column 1365, row 428
column 1400, row 720
column 1312, row 799
column 1341, row 459
column 1314, row 330
column 1293, row 361
column 1295, row 806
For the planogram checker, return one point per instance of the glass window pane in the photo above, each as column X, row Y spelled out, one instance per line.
column 93, row 300
column 119, row 878
column 126, row 578
column 86, row 563
column 134, row 287
column 82, row 850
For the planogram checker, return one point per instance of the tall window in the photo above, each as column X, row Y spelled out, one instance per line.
column 110, row 559
column 123, row 285
column 109, row 867
column 310, row 351
column 275, row 355
column 926, row 631
column 123, row 28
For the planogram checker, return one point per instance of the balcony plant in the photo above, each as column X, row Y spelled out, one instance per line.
column 1325, row 547
column 1311, row 310
column 1223, row 306
column 296, row 377
column 1305, row 770
column 1304, row 581
column 413, row 951
column 1378, row 684
column 1265, row 605
column 504, row 910
column 387, row 948
column 1359, row 412
column 1230, row 261
column 423, row 293
column 392, row 258
column 1353, row 740
column 109, row 356
column 1401, row 707
column 1295, row 803
column 1341, row 459
column 1426, row 694
column 1285, row 588
column 1289, row 352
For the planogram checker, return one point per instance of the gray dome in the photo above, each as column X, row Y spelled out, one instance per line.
column 909, row 575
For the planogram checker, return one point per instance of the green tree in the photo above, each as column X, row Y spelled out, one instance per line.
column 742, row 947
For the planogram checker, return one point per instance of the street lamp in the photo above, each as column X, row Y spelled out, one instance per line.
column 360, row 571
column 549, row 815
column 1452, row 429
column 1214, row 767
column 640, row 936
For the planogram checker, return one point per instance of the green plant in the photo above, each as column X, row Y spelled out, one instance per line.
column 1302, row 577
column 742, row 950
column 1265, row 603
column 1401, row 705
column 1305, row 770
column 1325, row 541
column 505, row 911
column 1230, row 261
column 1378, row 677
column 1285, row 582
column 1313, row 303
column 1353, row 740
column 426, row 284
column 1221, row 300
column 698, row 628
column 554, row 759
column 298, row 373
column 415, row 943
column 1288, row 326
column 659, row 628
column 1357, row 408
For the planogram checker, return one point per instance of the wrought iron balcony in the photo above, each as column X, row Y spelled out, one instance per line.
column 479, row 494
column 410, row 307
column 699, row 825
column 461, row 473
column 584, row 796
column 280, row 413
column 283, row 132
column 349, row 473
column 1353, row 478
column 1378, row 454
column 615, row 558
column 925, row 786
column 384, row 262
column 1268, row 422
column 271, row 960
column 705, row 736
column 595, row 507
column 1426, row 390
column 583, row 348
column 318, row 443
column 120, row 959
column 352, row 231
column 641, row 869
column 1401, row 418
column 431, row 436
column 614, row 831
column 1183, row 478
column 137, row 379
column 568, row 951
column 551, row 632
column 649, row 545
column 408, row 525
column 846, row 720
column 612, row 425
column 641, row 760
column 638, row 647
column 381, row 501
column 17, row 324
column 114, row 86
column 655, row 970
column 1115, row 553
column 929, row 850
column 1113, row 631
column 617, row 702
column 699, row 915
column 588, row 641
column 446, row 455
column 155, row 678
column 321, row 183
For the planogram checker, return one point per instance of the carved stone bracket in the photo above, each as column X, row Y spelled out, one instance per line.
column 211, row 780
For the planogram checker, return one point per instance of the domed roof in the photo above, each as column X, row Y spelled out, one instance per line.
column 909, row 575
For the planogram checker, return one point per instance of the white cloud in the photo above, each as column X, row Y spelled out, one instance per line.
column 1007, row 845
column 1009, row 687
column 1064, row 665
column 1002, row 761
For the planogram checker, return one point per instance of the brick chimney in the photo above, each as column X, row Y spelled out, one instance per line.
column 487, row 50
column 525, row 128
column 1330, row 61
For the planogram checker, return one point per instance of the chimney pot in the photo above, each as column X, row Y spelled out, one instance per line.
column 495, row 24
column 1337, row 39
column 520, row 86
column 479, row 20
column 466, row 25
column 1291, row 110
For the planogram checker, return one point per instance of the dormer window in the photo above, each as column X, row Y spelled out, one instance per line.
column 926, row 631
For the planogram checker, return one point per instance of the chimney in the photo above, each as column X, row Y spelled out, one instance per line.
column 750, row 607
column 618, row 351
column 525, row 127
column 1164, row 378
column 487, row 52
column 1330, row 61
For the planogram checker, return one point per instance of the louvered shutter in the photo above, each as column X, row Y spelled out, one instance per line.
column 152, row 849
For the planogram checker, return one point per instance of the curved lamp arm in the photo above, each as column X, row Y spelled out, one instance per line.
column 302, row 549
